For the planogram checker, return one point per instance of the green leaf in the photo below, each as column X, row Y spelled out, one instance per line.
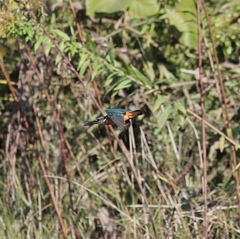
column 140, row 77
column 125, row 67
column 150, row 71
column 143, row 8
column 180, row 107
column 61, row 34
column 119, row 83
column 221, row 144
column 58, row 58
column 184, row 18
column 62, row 45
column 83, row 58
column 21, row 194
column 181, row 119
column 158, row 103
column 97, row 69
column 91, row 45
column 72, row 32
column 48, row 46
column 39, row 41
column 106, row 6
column 123, row 84
column 111, row 193
column 71, row 49
column 84, row 67
column 137, row 8
column 110, row 55
column 166, row 73
column 164, row 117
column 135, row 73
column 110, row 78
column 112, row 87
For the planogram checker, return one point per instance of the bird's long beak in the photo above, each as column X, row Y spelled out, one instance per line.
column 91, row 123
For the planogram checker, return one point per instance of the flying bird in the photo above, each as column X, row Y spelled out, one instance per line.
column 116, row 116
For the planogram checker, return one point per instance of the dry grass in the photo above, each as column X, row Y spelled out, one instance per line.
column 60, row 179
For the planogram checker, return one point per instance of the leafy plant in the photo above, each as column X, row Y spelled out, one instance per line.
column 70, row 62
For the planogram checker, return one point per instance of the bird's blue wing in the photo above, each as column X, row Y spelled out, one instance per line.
column 116, row 111
column 117, row 116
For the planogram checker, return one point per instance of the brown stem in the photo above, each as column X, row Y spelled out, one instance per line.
column 224, row 102
column 204, row 149
column 63, row 227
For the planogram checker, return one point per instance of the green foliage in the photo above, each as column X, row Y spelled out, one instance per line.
column 15, row 25
column 144, row 57
column 137, row 8
column 226, row 29
column 6, row 22
column 183, row 17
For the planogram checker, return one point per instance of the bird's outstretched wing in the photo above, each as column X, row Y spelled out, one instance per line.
column 117, row 116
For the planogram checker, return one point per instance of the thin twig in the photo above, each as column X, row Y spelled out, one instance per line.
column 56, row 117
column 204, row 149
column 42, row 166
column 224, row 102
column 234, row 143
column 101, row 110
column 82, row 40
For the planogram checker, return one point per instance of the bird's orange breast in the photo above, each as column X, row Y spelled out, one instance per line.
column 109, row 121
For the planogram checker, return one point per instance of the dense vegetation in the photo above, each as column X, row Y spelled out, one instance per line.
column 63, row 63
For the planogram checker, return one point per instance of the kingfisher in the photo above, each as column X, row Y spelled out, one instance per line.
column 116, row 116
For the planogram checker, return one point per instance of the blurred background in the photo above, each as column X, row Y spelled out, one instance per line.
column 63, row 63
